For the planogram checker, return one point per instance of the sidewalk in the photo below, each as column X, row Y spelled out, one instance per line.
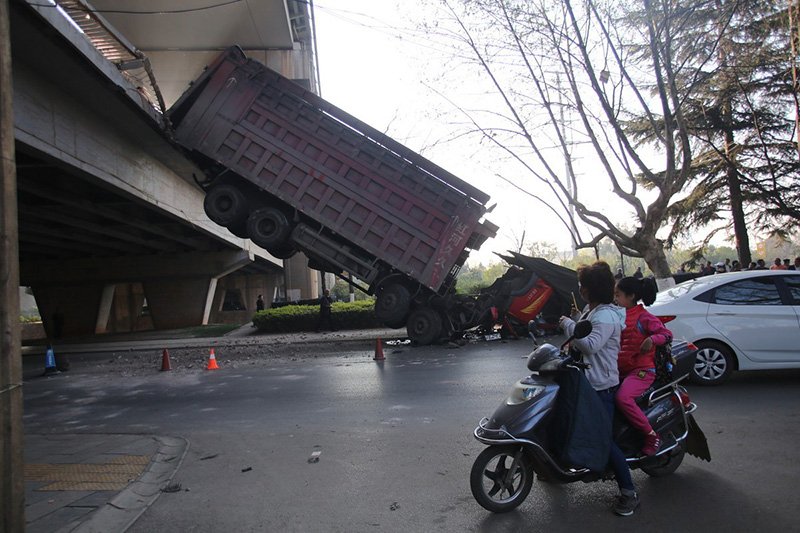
column 95, row 483
column 243, row 336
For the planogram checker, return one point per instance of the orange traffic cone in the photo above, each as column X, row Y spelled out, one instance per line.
column 379, row 351
column 212, row 361
column 165, row 361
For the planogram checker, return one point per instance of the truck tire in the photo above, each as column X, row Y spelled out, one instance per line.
column 226, row 205
column 392, row 305
column 424, row 326
column 283, row 252
column 269, row 227
column 240, row 229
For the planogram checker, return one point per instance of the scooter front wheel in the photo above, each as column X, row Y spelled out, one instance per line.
column 501, row 478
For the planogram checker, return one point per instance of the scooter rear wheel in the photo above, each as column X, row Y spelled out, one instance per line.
column 666, row 465
column 497, row 483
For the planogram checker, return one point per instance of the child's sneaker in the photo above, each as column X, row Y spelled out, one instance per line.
column 651, row 444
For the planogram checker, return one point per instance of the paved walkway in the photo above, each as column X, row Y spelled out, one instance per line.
column 95, row 483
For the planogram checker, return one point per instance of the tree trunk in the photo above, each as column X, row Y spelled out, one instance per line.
column 653, row 254
column 737, row 212
column 732, row 177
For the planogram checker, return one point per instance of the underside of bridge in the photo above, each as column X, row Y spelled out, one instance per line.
column 112, row 233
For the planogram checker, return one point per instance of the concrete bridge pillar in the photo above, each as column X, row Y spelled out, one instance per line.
column 179, row 288
column 179, row 303
column 68, row 310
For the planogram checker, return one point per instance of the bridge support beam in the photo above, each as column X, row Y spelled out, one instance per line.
column 76, row 297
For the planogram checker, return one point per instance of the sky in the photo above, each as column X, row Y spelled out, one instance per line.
column 374, row 66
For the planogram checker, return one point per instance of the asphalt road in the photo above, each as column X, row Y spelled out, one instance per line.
column 394, row 445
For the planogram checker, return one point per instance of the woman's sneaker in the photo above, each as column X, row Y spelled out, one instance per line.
column 651, row 444
column 626, row 504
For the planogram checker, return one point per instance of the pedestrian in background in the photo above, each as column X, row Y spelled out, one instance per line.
column 777, row 265
column 259, row 303
column 325, row 315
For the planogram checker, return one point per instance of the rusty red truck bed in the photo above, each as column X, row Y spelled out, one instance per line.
column 357, row 196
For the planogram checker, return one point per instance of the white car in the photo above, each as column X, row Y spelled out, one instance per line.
column 738, row 321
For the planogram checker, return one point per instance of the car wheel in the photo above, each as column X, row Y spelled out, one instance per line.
column 713, row 363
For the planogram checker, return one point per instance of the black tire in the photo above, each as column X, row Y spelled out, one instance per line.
column 283, row 252
column 424, row 326
column 226, row 205
column 713, row 363
column 395, row 324
column 493, row 485
column 664, row 466
column 269, row 227
column 322, row 266
column 392, row 305
column 240, row 229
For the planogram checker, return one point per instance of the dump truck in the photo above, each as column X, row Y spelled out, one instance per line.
column 292, row 172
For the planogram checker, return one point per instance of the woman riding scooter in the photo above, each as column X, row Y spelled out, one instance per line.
column 599, row 350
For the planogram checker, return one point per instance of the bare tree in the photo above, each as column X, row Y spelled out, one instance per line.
column 598, row 76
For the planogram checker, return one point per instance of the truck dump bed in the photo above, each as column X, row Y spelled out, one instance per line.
column 332, row 168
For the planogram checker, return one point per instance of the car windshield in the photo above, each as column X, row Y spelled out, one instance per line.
column 692, row 285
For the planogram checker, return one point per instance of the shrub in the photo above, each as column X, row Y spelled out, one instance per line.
column 291, row 318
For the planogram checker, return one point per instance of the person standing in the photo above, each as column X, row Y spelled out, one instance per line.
column 259, row 303
column 777, row 265
column 325, row 315
column 600, row 349
column 638, row 274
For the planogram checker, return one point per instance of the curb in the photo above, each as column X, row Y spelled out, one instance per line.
column 125, row 508
column 133, row 345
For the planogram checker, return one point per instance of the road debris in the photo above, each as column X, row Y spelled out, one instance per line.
column 314, row 457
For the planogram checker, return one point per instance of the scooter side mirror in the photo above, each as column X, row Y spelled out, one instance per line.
column 582, row 329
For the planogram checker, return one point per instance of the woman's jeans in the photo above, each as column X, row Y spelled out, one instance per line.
column 618, row 463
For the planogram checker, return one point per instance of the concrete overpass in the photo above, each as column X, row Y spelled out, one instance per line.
column 110, row 217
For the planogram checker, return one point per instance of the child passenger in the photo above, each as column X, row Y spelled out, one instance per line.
column 636, row 361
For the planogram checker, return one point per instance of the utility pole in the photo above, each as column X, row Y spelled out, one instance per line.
column 12, row 483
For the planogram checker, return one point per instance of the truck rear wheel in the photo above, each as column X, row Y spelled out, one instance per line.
column 269, row 227
column 283, row 252
column 424, row 326
column 392, row 305
column 226, row 205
